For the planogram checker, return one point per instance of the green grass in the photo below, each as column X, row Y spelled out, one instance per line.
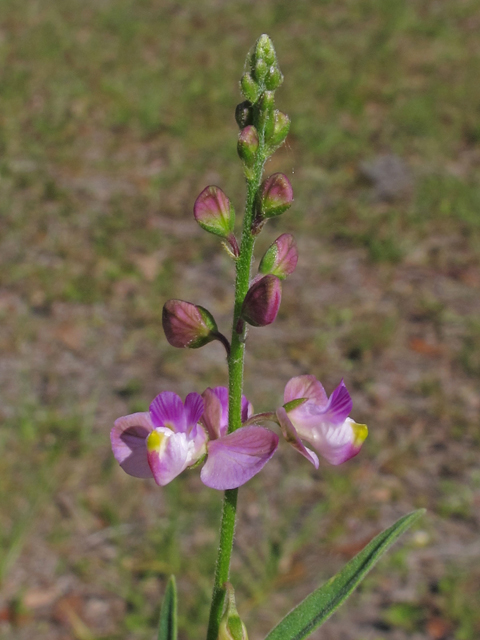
column 114, row 116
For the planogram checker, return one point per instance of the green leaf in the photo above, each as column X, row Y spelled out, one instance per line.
column 167, row 628
column 321, row 603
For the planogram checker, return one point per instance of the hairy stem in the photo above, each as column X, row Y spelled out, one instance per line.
column 236, row 360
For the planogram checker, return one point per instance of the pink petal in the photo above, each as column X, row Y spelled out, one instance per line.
column 247, row 409
column 193, row 409
column 234, row 459
column 212, row 414
column 167, row 410
column 291, row 436
column 167, row 454
column 339, row 405
column 128, row 437
column 306, row 386
column 339, row 443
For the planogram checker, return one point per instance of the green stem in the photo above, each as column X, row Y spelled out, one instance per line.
column 236, row 360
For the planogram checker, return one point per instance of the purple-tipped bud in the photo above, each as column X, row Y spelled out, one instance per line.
column 250, row 88
column 281, row 257
column 188, row 325
column 281, row 127
column 262, row 301
column 275, row 196
column 247, row 145
column 214, row 213
column 244, row 114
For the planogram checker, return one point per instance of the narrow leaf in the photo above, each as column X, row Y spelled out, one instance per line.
column 167, row 629
column 321, row 603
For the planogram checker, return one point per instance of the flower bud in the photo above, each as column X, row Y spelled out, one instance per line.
column 281, row 257
column 214, row 213
column 244, row 114
column 249, row 88
column 265, row 114
column 231, row 626
column 264, row 50
column 262, row 301
column 281, row 126
column 188, row 325
column 260, row 71
column 274, row 78
column 274, row 196
column 247, row 145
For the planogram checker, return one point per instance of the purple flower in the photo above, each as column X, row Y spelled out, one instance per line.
column 161, row 442
column 309, row 415
column 164, row 441
column 236, row 457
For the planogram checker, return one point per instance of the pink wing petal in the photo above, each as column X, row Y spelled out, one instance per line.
column 305, row 387
column 291, row 436
column 193, row 409
column 222, row 395
column 212, row 413
column 128, row 437
column 170, row 458
column 167, row 411
column 247, row 409
column 234, row 459
column 339, row 406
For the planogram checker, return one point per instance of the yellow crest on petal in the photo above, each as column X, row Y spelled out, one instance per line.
column 360, row 432
column 156, row 441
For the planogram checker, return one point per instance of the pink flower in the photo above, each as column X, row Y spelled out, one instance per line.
column 161, row 442
column 164, row 441
column 320, row 421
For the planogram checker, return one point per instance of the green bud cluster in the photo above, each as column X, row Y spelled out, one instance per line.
column 261, row 78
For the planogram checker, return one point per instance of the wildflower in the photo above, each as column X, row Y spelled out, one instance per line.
column 188, row 325
column 164, row 441
column 309, row 415
column 161, row 442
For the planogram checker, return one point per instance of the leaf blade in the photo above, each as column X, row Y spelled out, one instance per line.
column 324, row 601
column 167, row 627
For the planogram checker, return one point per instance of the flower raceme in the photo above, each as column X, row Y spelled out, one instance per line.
column 322, row 422
column 172, row 435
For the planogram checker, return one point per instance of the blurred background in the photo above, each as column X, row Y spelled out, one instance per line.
column 114, row 115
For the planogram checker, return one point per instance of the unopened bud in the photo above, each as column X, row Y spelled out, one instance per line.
column 262, row 301
column 265, row 114
column 260, row 71
column 247, row 145
column 275, row 196
column 231, row 626
column 244, row 114
column 281, row 127
column 281, row 257
column 264, row 50
column 249, row 88
column 188, row 325
column 274, row 78
column 214, row 213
